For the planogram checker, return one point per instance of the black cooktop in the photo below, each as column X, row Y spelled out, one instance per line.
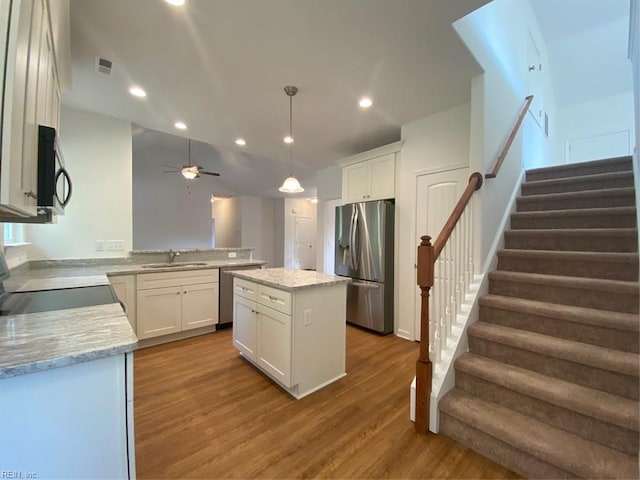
column 47, row 300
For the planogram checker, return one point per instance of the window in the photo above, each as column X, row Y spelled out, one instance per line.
column 13, row 234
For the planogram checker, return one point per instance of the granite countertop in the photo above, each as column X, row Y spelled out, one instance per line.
column 289, row 279
column 40, row 341
column 61, row 274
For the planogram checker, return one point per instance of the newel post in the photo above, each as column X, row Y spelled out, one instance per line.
column 424, row 368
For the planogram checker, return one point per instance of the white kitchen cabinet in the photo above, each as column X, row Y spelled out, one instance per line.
column 296, row 337
column 245, row 326
column 173, row 302
column 274, row 339
column 31, row 97
column 370, row 175
column 124, row 287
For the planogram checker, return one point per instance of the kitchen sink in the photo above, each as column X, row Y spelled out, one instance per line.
column 174, row 265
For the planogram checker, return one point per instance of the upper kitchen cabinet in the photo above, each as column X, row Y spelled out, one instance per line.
column 370, row 175
column 32, row 64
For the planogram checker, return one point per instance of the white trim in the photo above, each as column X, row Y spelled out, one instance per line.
column 429, row 171
column 369, row 154
column 634, row 22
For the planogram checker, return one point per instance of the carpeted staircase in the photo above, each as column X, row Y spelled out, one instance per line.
column 550, row 386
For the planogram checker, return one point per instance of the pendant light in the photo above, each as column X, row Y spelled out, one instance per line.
column 291, row 183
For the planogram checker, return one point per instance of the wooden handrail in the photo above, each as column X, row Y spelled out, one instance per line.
column 475, row 182
column 496, row 168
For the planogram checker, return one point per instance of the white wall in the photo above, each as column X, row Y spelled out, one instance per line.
column 498, row 36
column 431, row 144
column 169, row 211
column 278, row 237
column 97, row 153
column 295, row 207
column 595, row 117
column 226, row 212
column 329, row 182
column 593, row 81
column 258, row 227
column 634, row 55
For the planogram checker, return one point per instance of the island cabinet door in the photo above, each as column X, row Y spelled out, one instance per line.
column 159, row 312
column 274, row 343
column 199, row 305
column 245, row 326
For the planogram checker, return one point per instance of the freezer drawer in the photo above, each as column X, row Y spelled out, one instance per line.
column 370, row 305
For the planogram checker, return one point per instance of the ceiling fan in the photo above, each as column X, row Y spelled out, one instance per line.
column 189, row 171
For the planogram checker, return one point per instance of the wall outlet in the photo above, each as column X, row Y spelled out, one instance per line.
column 233, row 254
column 114, row 245
column 99, row 245
column 307, row 317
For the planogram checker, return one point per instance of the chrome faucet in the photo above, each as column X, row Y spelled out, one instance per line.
column 173, row 255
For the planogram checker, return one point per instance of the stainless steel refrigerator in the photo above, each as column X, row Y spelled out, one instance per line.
column 364, row 252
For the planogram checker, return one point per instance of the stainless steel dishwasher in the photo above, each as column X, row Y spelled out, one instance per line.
column 225, row 300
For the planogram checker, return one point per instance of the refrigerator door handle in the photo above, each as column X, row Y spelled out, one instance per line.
column 365, row 285
column 353, row 238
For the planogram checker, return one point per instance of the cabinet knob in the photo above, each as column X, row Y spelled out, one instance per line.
column 185, row 292
column 31, row 194
column 177, row 293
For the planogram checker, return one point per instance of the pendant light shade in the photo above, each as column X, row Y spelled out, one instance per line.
column 291, row 183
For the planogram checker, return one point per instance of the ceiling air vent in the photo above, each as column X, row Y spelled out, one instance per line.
column 104, row 66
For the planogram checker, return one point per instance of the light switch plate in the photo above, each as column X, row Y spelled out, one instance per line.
column 232, row 254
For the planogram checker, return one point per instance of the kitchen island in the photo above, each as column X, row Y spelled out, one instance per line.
column 291, row 325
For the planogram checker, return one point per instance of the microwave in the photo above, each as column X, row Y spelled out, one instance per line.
column 54, row 182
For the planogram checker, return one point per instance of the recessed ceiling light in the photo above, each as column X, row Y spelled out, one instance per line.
column 241, row 142
column 137, row 92
column 288, row 139
column 177, row 3
column 180, row 125
column 365, row 102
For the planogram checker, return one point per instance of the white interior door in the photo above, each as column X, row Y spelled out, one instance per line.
column 330, row 235
column 304, row 239
column 436, row 196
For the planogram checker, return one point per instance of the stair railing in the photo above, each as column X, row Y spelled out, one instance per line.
column 448, row 264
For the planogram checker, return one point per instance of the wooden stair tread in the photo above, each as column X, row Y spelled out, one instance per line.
column 579, row 178
column 612, row 257
column 591, row 316
column 573, row 232
column 586, row 354
column 557, row 447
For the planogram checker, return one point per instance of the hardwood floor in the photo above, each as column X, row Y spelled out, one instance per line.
column 201, row 411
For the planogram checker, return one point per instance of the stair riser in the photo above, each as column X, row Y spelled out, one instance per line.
column 521, row 462
column 577, row 221
column 527, row 204
column 614, row 301
column 587, row 427
column 557, row 327
column 605, row 380
column 584, row 243
column 570, row 267
column 592, row 168
column 577, row 186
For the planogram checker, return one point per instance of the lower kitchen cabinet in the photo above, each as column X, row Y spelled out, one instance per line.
column 176, row 301
column 245, row 329
column 296, row 337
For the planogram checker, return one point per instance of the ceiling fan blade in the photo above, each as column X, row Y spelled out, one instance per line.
column 169, row 166
column 171, row 171
column 204, row 172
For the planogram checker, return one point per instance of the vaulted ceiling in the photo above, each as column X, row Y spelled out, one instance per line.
column 220, row 66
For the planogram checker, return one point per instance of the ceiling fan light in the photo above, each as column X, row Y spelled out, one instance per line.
column 189, row 172
column 291, row 185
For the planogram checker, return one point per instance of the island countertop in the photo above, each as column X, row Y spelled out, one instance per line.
column 288, row 278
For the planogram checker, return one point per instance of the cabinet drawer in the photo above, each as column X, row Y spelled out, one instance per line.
column 245, row 289
column 273, row 298
column 176, row 279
